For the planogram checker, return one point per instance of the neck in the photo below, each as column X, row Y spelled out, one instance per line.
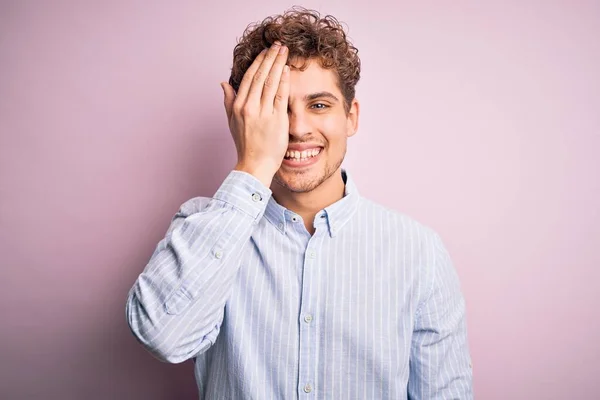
column 308, row 204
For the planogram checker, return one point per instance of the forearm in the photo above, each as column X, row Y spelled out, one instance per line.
column 175, row 307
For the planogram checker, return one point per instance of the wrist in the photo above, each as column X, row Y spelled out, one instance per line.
column 265, row 175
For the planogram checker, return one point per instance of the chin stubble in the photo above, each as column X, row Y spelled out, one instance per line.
column 313, row 184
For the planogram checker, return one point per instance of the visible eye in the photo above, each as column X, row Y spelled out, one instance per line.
column 319, row 106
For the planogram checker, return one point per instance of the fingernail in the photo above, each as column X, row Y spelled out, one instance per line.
column 282, row 49
column 277, row 43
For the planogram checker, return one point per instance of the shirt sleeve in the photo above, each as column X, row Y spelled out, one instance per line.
column 440, row 363
column 175, row 308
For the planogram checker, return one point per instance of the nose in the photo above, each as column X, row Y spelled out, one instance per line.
column 299, row 124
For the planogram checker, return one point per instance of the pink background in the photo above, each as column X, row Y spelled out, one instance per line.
column 480, row 120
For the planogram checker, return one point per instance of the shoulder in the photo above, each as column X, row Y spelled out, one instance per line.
column 416, row 246
column 396, row 223
column 413, row 243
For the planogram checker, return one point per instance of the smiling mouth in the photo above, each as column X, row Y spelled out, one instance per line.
column 295, row 155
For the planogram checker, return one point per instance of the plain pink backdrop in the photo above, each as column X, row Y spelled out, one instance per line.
column 481, row 120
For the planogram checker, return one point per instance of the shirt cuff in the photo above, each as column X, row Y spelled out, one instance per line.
column 244, row 192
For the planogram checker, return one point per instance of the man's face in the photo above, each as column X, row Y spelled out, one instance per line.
column 319, row 128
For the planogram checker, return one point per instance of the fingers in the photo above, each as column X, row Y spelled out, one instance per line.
column 261, row 82
column 272, row 81
column 263, row 74
column 282, row 96
column 242, row 92
column 229, row 95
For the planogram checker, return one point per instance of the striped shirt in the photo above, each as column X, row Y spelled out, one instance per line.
column 368, row 307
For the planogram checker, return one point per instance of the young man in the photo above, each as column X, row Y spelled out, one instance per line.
column 287, row 283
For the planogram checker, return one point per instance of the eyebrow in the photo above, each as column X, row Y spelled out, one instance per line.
column 319, row 95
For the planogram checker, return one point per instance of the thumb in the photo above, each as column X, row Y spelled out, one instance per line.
column 229, row 95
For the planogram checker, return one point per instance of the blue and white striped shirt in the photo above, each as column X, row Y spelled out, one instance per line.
column 369, row 307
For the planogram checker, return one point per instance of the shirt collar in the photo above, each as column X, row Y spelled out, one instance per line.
column 335, row 215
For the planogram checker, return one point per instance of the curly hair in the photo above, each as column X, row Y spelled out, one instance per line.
column 307, row 36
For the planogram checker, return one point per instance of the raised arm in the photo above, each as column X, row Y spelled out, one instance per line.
column 175, row 308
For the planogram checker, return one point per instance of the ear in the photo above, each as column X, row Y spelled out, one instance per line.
column 352, row 118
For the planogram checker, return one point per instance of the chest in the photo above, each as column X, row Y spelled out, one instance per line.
column 356, row 278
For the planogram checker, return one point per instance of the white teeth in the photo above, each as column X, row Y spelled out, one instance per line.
column 302, row 155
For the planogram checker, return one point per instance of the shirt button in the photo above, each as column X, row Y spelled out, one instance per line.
column 256, row 197
column 281, row 226
column 308, row 319
column 219, row 254
column 312, row 254
column 295, row 219
column 307, row 388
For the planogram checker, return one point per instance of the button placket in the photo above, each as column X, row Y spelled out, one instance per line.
column 308, row 362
